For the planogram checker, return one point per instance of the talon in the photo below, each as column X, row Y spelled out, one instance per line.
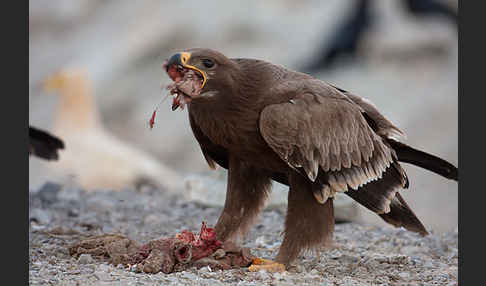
column 265, row 264
column 261, row 261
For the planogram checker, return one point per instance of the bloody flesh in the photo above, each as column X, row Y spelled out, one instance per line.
column 186, row 85
column 169, row 254
column 152, row 119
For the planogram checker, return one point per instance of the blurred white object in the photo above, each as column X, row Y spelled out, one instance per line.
column 96, row 158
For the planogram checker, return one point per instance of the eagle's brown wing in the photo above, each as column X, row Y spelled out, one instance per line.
column 383, row 127
column 327, row 136
column 315, row 131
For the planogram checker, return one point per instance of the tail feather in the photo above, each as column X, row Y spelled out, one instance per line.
column 373, row 196
column 427, row 161
column 401, row 215
column 383, row 198
column 43, row 144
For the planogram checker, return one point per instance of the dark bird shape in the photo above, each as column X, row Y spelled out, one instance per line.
column 262, row 121
column 43, row 144
column 431, row 8
column 345, row 39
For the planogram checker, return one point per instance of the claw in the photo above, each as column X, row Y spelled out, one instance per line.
column 265, row 264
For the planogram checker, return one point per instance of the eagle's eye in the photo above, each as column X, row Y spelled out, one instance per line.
column 208, row 63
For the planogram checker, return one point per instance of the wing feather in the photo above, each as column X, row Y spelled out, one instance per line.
column 328, row 133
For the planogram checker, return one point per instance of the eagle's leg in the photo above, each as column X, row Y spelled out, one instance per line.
column 247, row 189
column 308, row 224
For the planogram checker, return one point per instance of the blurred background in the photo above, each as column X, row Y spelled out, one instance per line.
column 404, row 61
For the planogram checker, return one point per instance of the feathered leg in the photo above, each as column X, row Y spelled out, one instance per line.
column 247, row 189
column 308, row 224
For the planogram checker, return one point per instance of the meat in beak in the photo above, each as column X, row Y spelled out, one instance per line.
column 177, row 68
column 175, row 104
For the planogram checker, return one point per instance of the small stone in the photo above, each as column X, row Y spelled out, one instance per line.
column 152, row 219
column 90, row 268
column 205, row 269
column 399, row 259
column 103, row 276
column 189, row 276
column 73, row 213
column 279, row 276
column 48, row 193
column 64, row 251
column 444, row 276
column 404, row 275
column 299, row 268
column 134, row 268
column 70, row 193
column 262, row 275
column 335, row 254
column 104, row 268
column 85, row 259
column 410, row 250
column 37, row 227
column 220, row 253
column 39, row 216
column 260, row 241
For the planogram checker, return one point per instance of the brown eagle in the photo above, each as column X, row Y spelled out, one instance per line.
column 264, row 122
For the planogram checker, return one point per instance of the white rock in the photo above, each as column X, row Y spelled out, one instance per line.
column 404, row 275
column 85, row 259
column 260, row 241
column 103, row 276
column 39, row 215
column 133, row 268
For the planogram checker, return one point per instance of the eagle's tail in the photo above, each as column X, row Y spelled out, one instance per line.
column 401, row 215
column 382, row 197
column 43, row 144
column 427, row 161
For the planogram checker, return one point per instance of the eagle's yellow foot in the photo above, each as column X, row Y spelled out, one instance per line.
column 265, row 264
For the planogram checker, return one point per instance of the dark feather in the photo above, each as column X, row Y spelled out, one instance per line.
column 405, row 153
column 401, row 215
column 427, row 161
column 43, row 144
column 244, row 199
column 308, row 224
column 382, row 195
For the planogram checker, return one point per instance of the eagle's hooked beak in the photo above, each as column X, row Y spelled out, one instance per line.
column 176, row 59
column 180, row 61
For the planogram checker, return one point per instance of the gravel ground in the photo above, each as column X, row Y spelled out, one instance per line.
column 363, row 255
column 408, row 68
